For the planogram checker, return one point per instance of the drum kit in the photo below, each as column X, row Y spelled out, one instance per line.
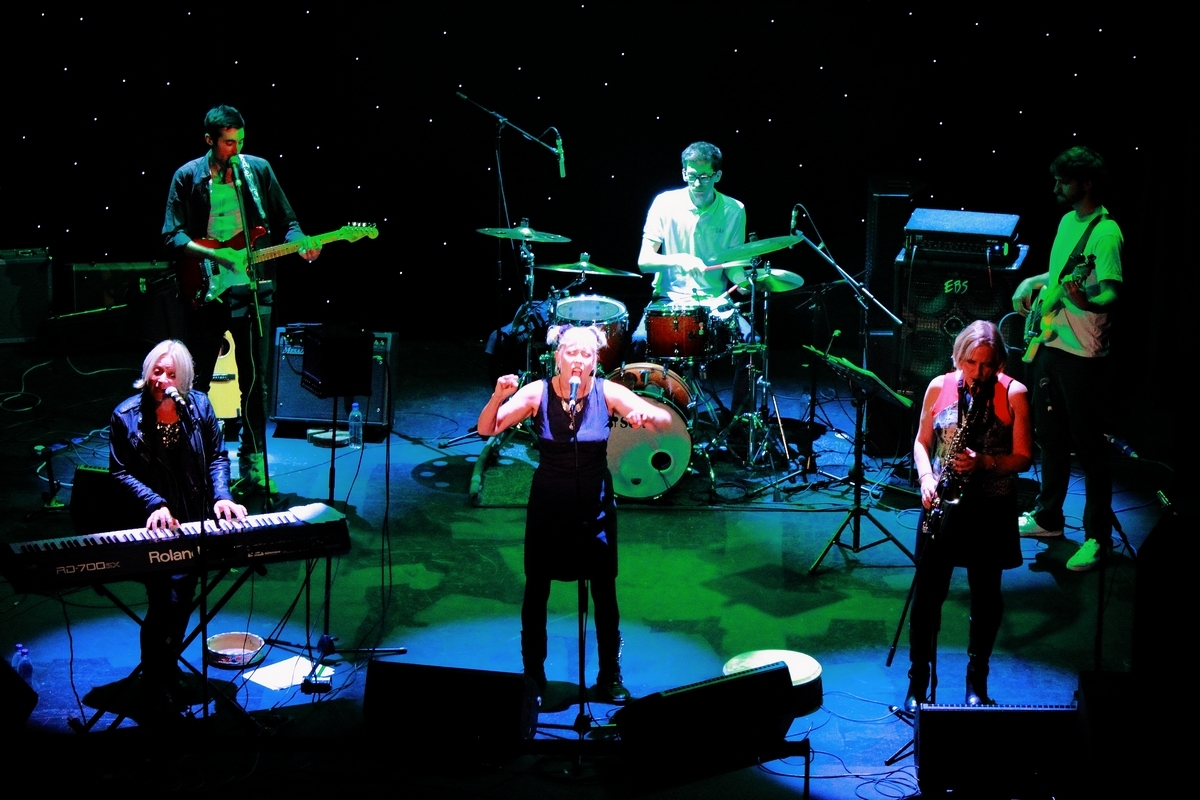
column 682, row 339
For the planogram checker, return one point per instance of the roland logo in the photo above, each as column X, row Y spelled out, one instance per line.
column 168, row 556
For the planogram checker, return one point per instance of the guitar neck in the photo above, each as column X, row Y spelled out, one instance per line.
column 286, row 249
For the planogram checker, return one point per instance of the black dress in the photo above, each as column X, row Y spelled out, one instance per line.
column 571, row 523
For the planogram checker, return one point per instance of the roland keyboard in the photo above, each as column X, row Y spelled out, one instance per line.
column 302, row 532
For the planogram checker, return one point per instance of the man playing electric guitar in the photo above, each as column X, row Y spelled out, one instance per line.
column 1069, row 371
column 215, row 206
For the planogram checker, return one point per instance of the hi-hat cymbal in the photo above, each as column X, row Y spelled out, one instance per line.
column 758, row 247
column 777, row 281
column 587, row 268
column 526, row 234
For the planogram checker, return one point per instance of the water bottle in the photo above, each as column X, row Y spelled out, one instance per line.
column 16, row 659
column 356, row 428
column 23, row 665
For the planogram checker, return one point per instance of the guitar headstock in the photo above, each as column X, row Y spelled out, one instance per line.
column 353, row 231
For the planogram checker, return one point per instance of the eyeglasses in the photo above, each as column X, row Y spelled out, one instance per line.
column 690, row 178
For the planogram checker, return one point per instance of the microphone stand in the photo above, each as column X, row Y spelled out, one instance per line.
column 258, row 382
column 502, row 219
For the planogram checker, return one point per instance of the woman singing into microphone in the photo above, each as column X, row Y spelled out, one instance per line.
column 166, row 448
column 571, row 524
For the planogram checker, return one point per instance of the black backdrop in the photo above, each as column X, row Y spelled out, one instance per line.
column 358, row 113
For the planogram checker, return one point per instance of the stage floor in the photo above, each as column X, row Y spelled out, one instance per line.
column 709, row 570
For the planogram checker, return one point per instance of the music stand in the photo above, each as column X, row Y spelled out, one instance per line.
column 866, row 385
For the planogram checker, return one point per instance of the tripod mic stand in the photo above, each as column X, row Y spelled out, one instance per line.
column 866, row 385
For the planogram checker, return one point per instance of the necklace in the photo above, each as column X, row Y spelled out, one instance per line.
column 567, row 407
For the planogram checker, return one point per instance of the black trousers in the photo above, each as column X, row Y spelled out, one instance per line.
column 206, row 328
column 1068, row 418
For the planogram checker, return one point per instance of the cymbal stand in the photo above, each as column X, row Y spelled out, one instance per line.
column 524, row 321
column 753, row 419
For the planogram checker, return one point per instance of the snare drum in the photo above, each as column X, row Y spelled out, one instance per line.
column 594, row 309
column 676, row 331
column 647, row 463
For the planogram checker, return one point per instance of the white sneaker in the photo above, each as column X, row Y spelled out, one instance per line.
column 1028, row 526
column 1086, row 557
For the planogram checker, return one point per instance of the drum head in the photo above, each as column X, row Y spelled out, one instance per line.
column 590, row 309
column 646, row 463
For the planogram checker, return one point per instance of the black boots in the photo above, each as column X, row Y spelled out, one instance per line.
column 533, row 657
column 609, row 686
column 977, row 688
column 918, row 687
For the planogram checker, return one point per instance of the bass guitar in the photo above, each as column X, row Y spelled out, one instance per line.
column 1047, row 304
column 202, row 280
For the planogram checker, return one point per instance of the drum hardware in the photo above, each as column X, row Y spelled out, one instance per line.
column 526, row 318
column 752, row 414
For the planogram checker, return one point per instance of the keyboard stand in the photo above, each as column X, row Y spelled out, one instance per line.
column 206, row 588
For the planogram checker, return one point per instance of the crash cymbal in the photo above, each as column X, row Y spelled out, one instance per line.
column 771, row 280
column 587, row 268
column 526, row 234
column 759, row 247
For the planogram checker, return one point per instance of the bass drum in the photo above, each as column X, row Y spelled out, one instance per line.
column 594, row 309
column 647, row 463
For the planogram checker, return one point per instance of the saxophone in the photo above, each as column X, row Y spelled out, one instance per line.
column 950, row 483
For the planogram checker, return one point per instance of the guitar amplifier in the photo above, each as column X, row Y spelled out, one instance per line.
column 26, row 282
column 293, row 403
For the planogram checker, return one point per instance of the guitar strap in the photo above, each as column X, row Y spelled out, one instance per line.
column 1082, row 245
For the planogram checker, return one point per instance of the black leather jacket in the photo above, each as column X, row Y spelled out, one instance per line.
column 138, row 459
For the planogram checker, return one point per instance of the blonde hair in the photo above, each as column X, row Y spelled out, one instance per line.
column 556, row 332
column 981, row 332
column 180, row 355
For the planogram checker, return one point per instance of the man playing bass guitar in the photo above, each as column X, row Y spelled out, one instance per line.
column 1069, row 371
column 220, row 206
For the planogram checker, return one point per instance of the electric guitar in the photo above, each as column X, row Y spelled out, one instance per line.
column 1047, row 304
column 202, row 280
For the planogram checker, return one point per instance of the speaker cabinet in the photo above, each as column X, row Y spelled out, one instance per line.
column 450, row 706
column 936, row 301
column 988, row 748
column 294, row 403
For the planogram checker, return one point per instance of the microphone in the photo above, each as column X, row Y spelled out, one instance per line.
column 574, row 391
column 562, row 160
column 174, row 394
column 235, row 162
column 795, row 209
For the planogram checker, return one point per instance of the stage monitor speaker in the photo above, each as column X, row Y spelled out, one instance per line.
column 99, row 503
column 987, row 748
column 732, row 714
column 450, row 706
column 17, row 700
column 294, row 403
